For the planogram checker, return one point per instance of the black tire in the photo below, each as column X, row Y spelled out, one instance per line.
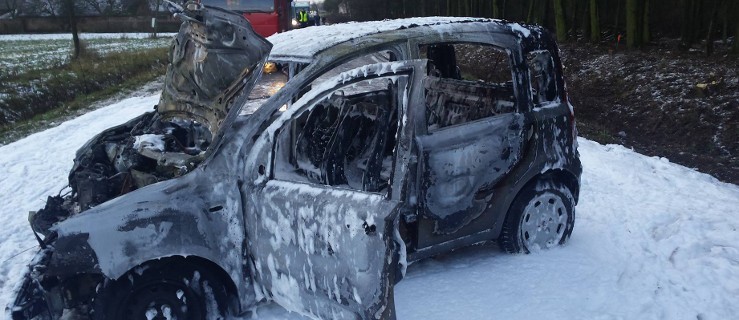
column 548, row 202
column 185, row 290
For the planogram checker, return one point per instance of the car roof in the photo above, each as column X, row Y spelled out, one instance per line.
column 303, row 44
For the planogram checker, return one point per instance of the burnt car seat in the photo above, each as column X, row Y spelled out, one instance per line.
column 313, row 139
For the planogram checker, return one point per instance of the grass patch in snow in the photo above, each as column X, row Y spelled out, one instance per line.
column 31, row 100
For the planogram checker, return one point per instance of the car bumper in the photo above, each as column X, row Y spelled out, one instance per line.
column 32, row 299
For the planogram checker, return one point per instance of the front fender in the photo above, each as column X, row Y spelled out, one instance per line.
column 198, row 214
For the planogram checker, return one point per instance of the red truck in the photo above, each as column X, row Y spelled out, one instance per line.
column 267, row 17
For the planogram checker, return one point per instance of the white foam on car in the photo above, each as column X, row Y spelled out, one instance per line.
column 306, row 42
column 652, row 240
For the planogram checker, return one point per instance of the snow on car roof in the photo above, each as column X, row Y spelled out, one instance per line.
column 307, row 42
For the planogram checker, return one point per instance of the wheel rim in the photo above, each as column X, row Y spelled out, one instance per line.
column 159, row 301
column 543, row 222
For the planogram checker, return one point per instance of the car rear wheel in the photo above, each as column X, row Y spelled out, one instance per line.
column 162, row 291
column 541, row 216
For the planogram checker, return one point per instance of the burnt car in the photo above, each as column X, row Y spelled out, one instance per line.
column 373, row 145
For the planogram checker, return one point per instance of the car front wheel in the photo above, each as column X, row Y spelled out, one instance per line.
column 162, row 291
column 541, row 216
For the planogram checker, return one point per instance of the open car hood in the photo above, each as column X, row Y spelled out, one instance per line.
column 216, row 57
column 215, row 61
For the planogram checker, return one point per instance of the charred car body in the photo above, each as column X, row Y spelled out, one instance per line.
column 391, row 142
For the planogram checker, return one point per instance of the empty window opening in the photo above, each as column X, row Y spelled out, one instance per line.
column 346, row 139
column 542, row 77
column 466, row 82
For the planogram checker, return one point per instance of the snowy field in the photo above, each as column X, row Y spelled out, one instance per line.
column 652, row 240
column 25, row 52
column 84, row 36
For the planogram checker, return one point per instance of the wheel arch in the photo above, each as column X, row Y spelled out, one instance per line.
column 556, row 175
column 199, row 263
column 560, row 175
column 564, row 176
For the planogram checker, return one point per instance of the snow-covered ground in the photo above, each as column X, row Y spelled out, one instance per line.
column 84, row 36
column 652, row 240
column 22, row 53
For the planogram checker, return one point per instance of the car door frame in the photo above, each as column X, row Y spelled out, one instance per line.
column 260, row 179
column 482, row 227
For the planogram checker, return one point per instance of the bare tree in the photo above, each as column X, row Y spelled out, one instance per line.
column 594, row 21
column 104, row 7
column 711, row 26
column 97, row 6
column 41, row 7
column 70, row 8
column 646, row 31
column 633, row 38
column 559, row 19
column 735, row 48
column 155, row 5
column 13, row 6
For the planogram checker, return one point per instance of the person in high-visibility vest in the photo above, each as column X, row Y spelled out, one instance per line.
column 303, row 18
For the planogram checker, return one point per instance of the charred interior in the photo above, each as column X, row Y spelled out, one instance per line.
column 213, row 59
column 460, row 91
column 345, row 140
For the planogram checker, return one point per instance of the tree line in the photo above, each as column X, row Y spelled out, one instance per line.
column 633, row 23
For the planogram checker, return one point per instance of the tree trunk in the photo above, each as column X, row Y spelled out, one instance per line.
column 559, row 20
column 646, row 34
column 594, row 22
column 73, row 24
column 496, row 10
column 530, row 15
column 572, row 9
column 154, row 18
column 735, row 48
column 696, row 10
column 632, row 33
column 725, row 24
column 711, row 24
column 687, row 25
column 618, row 16
column 537, row 11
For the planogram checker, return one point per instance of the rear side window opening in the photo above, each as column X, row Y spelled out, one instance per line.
column 542, row 77
column 466, row 82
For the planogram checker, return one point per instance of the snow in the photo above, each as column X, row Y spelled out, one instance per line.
column 517, row 27
column 68, row 36
column 652, row 240
column 35, row 167
column 154, row 142
column 25, row 52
